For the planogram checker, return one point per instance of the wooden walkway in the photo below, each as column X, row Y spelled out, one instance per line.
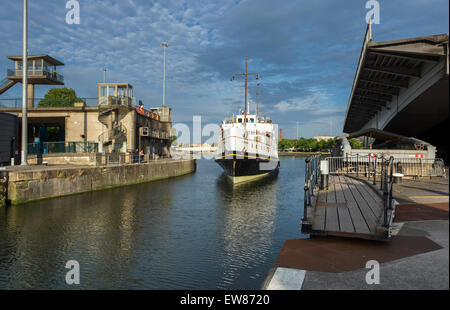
column 350, row 207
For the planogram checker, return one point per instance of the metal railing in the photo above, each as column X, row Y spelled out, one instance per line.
column 41, row 72
column 114, row 159
column 140, row 159
column 369, row 166
column 62, row 147
column 312, row 173
column 386, row 186
column 378, row 166
column 113, row 133
column 107, row 101
column 16, row 103
column 4, row 82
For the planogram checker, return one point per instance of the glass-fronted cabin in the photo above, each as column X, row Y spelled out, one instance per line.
column 42, row 69
column 115, row 93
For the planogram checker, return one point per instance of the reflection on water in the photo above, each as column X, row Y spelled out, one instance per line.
column 192, row 232
column 248, row 224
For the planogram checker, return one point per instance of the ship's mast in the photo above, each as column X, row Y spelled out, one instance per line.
column 257, row 107
column 245, row 75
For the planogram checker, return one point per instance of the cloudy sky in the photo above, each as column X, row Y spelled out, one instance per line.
column 306, row 51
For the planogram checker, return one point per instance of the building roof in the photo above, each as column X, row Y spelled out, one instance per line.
column 382, row 135
column 384, row 69
column 47, row 58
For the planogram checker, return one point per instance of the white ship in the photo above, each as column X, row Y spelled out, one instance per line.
column 248, row 147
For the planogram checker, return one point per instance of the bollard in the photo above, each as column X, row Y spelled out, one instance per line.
column 324, row 173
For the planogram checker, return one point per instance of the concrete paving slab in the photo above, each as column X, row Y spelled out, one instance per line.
column 287, row 279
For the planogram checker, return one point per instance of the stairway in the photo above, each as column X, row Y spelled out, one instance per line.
column 6, row 84
column 108, row 115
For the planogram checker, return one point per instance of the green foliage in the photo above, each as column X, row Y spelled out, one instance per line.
column 59, row 97
column 53, row 134
column 305, row 145
column 355, row 143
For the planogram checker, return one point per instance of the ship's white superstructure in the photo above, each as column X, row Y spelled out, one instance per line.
column 247, row 150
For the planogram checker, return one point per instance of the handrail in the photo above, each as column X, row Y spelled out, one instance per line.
column 370, row 166
column 312, row 172
column 112, row 133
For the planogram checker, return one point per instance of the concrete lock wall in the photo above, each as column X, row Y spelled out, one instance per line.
column 25, row 186
column 82, row 159
column 3, row 189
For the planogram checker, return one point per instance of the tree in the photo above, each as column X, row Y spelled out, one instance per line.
column 173, row 139
column 59, row 97
column 355, row 143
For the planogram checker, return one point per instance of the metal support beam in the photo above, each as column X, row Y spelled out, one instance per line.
column 386, row 82
column 380, row 90
column 367, row 102
column 394, row 70
column 429, row 59
column 373, row 96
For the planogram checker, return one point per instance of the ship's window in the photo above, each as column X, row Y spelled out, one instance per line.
column 252, row 120
column 239, row 120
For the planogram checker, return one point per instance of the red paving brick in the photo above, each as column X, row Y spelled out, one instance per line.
column 421, row 212
column 334, row 254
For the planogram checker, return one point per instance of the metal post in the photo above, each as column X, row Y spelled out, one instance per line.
column 382, row 172
column 375, row 171
column 164, row 45
column 357, row 165
column 24, row 154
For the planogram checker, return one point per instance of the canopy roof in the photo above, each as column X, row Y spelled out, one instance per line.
column 384, row 69
column 47, row 58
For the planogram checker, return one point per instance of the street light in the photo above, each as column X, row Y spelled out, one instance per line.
column 104, row 74
column 24, row 153
column 164, row 45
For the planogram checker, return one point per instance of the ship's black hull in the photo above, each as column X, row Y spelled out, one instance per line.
column 243, row 170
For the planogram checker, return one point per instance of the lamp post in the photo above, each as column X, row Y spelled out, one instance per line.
column 24, row 153
column 104, row 74
column 164, row 45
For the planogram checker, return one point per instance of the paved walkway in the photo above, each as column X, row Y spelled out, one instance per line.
column 416, row 257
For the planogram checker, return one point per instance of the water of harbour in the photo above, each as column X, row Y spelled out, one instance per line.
column 191, row 232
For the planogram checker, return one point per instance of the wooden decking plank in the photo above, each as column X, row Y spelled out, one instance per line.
column 331, row 195
column 358, row 220
column 332, row 219
column 366, row 211
column 319, row 218
column 345, row 220
column 339, row 192
column 371, row 191
column 374, row 204
column 322, row 196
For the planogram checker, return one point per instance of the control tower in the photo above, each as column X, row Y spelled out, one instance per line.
column 41, row 71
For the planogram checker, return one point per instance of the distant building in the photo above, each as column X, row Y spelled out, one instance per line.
column 325, row 138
